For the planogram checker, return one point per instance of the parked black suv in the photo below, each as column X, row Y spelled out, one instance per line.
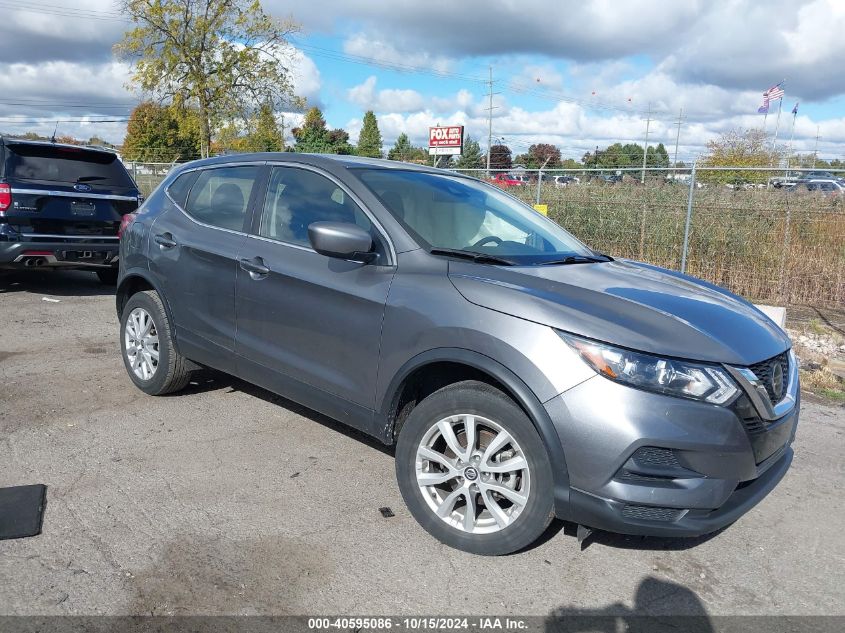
column 62, row 206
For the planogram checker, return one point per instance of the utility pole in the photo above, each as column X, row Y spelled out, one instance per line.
column 677, row 139
column 777, row 127
column 816, row 150
column 490, row 120
column 645, row 149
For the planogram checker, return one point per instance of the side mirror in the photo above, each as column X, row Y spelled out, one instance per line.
column 342, row 240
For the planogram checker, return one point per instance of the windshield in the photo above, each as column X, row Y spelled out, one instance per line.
column 459, row 213
column 67, row 165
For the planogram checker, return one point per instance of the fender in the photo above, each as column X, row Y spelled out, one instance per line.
column 143, row 273
column 518, row 389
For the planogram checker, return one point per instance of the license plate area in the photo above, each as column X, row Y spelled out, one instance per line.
column 91, row 256
column 775, row 437
column 83, row 209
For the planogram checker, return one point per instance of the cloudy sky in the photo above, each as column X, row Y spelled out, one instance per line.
column 575, row 73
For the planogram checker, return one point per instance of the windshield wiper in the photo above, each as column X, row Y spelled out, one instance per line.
column 472, row 255
column 90, row 178
column 576, row 259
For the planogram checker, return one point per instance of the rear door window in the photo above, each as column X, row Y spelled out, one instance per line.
column 73, row 165
column 220, row 197
column 179, row 188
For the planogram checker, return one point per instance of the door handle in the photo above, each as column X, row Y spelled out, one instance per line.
column 255, row 267
column 165, row 240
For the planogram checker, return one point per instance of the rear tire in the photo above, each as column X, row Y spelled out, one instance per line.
column 146, row 343
column 489, row 502
column 108, row 276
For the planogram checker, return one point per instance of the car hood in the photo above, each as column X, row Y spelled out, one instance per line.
column 629, row 304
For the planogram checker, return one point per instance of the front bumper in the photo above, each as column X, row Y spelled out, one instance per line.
column 649, row 464
column 67, row 253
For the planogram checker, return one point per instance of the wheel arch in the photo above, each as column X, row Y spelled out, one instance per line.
column 139, row 281
column 491, row 371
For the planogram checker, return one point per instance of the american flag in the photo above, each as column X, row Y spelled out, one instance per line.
column 764, row 109
column 775, row 92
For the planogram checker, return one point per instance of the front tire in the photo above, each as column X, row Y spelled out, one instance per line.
column 473, row 470
column 146, row 343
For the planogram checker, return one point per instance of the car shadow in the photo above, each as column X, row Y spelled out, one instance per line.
column 658, row 605
column 58, row 283
column 205, row 380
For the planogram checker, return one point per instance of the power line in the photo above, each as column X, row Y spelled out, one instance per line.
column 70, row 12
column 49, row 120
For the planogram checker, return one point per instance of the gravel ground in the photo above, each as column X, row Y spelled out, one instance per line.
column 228, row 499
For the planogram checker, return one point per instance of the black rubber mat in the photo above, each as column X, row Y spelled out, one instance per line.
column 21, row 510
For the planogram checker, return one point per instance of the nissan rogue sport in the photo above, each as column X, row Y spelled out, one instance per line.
column 520, row 374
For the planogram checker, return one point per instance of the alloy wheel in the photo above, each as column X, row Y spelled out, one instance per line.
column 141, row 343
column 472, row 473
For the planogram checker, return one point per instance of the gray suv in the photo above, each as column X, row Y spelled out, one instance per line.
column 520, row 374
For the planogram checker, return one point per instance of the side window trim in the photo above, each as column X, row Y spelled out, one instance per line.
column 259, row 210
column 258, row 187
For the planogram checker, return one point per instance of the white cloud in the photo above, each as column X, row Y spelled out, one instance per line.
column 367, row 97
column 305, row 77
column 385, row 52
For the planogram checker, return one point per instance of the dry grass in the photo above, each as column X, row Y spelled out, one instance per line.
column 823, row 382
column 769, row 246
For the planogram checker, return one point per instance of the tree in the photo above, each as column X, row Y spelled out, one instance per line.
column 157, row 133
column 260, row 133
column 658, row 156
column 521, row 159
column 618, row 156
column 369, row 140
column 540, row 153
column 313, row 136
column 471, row 156
column 266, row 135
column 739, row 149
column 225, row 57
column 404, row 151
column 500, row 157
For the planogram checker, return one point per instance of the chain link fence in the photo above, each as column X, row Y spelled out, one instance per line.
column 771, row 235
column 148, row 175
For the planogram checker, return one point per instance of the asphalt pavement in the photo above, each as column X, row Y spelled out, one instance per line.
column 227, row 499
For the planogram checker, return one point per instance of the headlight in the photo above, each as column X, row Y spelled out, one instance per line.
column 683, row 379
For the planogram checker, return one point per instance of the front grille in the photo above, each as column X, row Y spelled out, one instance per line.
column 765, row 373
column 652, row 513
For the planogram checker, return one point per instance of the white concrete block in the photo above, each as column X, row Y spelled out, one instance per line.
column 775, row 313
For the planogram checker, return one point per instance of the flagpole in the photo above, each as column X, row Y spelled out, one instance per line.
column 791, row 138
column 777, row 125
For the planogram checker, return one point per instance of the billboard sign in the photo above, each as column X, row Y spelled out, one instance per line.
column 446, row 141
